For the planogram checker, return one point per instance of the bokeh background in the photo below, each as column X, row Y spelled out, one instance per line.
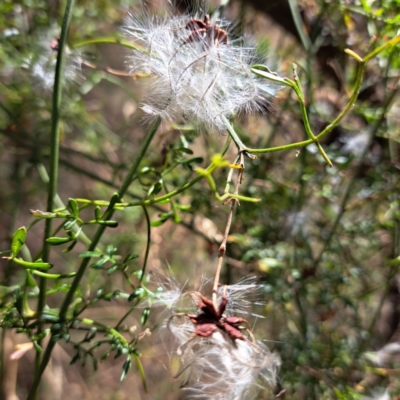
column 323, row 242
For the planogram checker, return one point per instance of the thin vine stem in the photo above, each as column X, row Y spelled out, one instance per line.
column 53, row 173
column 85, row 262
column 109, row 40
column 262, row 71
column 108, row 215
column 359, row 166
column 222, row 247
column 148, row 242
column 203, row 173
column 329, row 128
column 108, row 70
column 305, row 39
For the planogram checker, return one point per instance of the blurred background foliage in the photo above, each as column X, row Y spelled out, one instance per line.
column 323, row 241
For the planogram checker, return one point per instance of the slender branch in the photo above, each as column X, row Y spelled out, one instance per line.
column 125, row 316
column 109, row 40
column 53, row 175
column 109, row 70
column 329, row 128
column 222, row 247
column 85, row 262
column 305, row 40
column 203, row 173
column 146, row 255
column 379, row 49
column 347, row 192
column 108, row 215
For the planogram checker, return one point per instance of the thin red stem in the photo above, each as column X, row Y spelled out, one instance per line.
column 222, row 247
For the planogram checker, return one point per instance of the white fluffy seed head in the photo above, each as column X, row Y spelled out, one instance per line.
column 243, row 296
column 42, row 62
column 218, row 367
column 198, row 74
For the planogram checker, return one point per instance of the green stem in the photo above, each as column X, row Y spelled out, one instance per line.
column 109, row 40
column 329, row 128
column 53, row 178
column 379, row 49
column 146, row 255
column 305, row 40
column 85, row 262
column 202, row 174
column 107, row 216
column 61, row 206
column 232, row 133
column 125, row 316
column 358, row 168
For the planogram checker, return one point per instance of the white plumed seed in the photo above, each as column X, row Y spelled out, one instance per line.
column 199, row 75
column 42, row 62
column 217, row 366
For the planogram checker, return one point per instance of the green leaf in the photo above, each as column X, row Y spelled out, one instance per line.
column 52, row 316
column 89, row 254
column 165, row 216
column 73, row 235
column 30, row 281
column 37, row 347
column 110, row 250
column 105, row 355
column 113, row 201
column 33, row 265
column 157, row 223
column 120, row 352
column 18, row 241
column 141, row 371
column 73, row 207
column 69, row 224
column 145, row 170
column 95, row 363
column 183, row 150
column 99, row 263
column 70, row 247
column 56, row 241
column 197, row 160
column 266, row 263
column 97, row 213
column 75, row 358
column 110, row 224
column 130, row 257
column 90, row 335
column 138, row 292
column 183, row 207
column 54, row 276
column 145, row 315
column 43, row 214
column 125, row 368
column 56, row 338
column 112, row 269
column 155, row 188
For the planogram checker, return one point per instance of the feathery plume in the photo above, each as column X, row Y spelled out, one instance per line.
column 217, row 354
column 42, row 62
column 199, row 73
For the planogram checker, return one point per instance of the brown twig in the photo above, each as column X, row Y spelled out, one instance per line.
column 110, row 71
column 222, row 247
